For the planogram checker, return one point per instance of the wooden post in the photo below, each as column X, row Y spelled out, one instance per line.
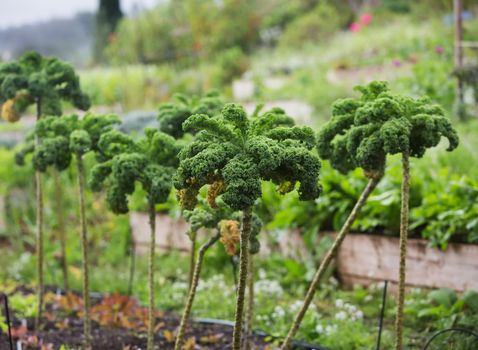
column 458, row 9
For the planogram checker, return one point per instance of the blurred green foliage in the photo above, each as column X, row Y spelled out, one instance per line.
column 317, row 25
column 189, row 30
column 443, row 205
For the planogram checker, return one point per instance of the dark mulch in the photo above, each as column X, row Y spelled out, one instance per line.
column 206, row 336
column 122, row 329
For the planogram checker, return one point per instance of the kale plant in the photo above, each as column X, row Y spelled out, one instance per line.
column 149, row 162
column 44, row 82
column 172, row 115
column 233, row 154
column 62, row 138
column 225, row 222
column 379, row 124
column 333, row 141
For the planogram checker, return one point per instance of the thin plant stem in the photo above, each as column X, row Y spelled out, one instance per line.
column 332, row 252
column 60, row 217
column 241, row 289
column 84, row 249
column 39, row 233
column 403, row 249
column 152, row 248
column 132, row 266
column 192, row 259
column 234, row 270
column 250, row 303
column 193, row 288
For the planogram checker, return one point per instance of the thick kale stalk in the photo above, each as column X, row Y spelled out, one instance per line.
column 325, row 263
column 84, row 254
column 152, row 248
column 192, row 259
column 39, row 231
column 149, row 162
column 239, row 152
column 192, row 289
column 243, row 266
column 404, row 218
column 44, row 82
column 250, row 303
column 60, row 218
column 39, row 247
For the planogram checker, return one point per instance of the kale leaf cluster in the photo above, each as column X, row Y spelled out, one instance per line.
column 150, row 162
column 362, row 131
column 33, row 78
column 65, row 136
column 242, row 151
column 172, row 115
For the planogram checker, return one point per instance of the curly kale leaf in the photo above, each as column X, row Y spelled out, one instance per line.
column 172, row 115
column 363, row 131
column 240, row 151
column 47, row 80
column 149, row 162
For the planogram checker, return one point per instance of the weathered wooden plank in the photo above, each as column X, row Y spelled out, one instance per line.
column 369, row 257
column 170, row 232
column 362, row 258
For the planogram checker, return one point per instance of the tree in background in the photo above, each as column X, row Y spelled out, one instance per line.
column 107, row 18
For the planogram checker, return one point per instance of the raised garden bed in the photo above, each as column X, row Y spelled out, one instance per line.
column 362, row 258
column 366, row 259
column 171, row 234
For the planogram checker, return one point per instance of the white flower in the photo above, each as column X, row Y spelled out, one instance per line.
column 278, row 312
column 262, row 274
column 377, row 286
column 333, row 281
column 330, row 329
column 268, row 287
column 339, row 303
column 359, row 315
column 296, row 305
column 319, row 329
column 179, row 285
column 350, row 308
column 341, row 315
column 368, row 298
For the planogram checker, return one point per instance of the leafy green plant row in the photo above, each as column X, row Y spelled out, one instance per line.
column 443, row 206
column 207, row 144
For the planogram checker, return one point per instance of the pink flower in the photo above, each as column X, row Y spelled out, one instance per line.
column 355, row 27
column 439, row 50
column 396, row 62
column 366, row 19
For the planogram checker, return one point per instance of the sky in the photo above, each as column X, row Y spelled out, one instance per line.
column 18, row 12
